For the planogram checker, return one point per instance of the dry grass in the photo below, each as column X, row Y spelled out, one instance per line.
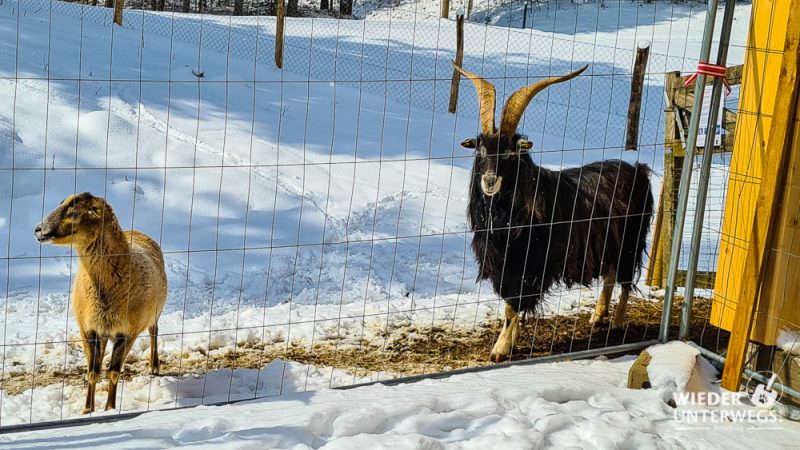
column 410, row 350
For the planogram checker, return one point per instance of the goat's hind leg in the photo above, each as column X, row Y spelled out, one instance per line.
column 155, row 365
column 122, row 345
column 95, row 347
column 622, row 306
column 508, row 336
column 601, row 307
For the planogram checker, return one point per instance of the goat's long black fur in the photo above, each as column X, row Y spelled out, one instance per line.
column 546, row 227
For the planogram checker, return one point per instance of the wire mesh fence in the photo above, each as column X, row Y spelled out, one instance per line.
column 312, row 220
column 772, row 341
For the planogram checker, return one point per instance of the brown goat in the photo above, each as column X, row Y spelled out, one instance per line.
column 120, row 288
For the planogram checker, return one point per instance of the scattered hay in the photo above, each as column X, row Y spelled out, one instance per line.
column 408, row 349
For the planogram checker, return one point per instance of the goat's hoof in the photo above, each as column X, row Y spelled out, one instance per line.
column 86, row 410
column 617, row 323
column 109, row 407
column 597, row 319
column 497, row 357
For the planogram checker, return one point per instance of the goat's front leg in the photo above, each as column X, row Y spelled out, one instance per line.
column 122, row 345
column 619, row 314
column 508, row 336
column 154, row 362
column 601, row 307
column 94, row 346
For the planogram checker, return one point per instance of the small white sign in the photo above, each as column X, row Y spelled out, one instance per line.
column 702, row 132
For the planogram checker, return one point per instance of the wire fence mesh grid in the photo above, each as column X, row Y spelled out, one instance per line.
column 311, row 219
column 772, row 343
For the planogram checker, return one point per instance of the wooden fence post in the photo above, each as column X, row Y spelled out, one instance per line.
column 118, row 5
column 635, row 105
column 280, row 17
column 778, row 149
column 459, row 60
column 445, row 9
column 665, row 217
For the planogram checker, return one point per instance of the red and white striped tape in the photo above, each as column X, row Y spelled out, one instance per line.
column 712, row 70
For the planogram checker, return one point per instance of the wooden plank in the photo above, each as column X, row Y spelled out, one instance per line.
column 459, row 60
column 635, row 103
column 702, row 280
column 776, row 165
column 280, row 19
column 779, row 302
column 671, row 176
column 670, row 133
column 655, row 263
column 787, row 366
column 729, row 124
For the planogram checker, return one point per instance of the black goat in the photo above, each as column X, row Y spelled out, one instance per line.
column 535, row 227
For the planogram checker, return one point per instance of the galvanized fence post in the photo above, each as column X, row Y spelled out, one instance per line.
column 705, row 172
column 686, row 174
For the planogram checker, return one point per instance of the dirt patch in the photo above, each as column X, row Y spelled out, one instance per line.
column 410, row 350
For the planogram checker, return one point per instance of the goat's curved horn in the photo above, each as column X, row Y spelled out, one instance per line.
column 486, row 99
column 516, row 104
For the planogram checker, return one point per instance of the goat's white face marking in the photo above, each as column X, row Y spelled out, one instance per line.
column 490, row 184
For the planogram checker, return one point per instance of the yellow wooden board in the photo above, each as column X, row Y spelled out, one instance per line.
column 763, row 58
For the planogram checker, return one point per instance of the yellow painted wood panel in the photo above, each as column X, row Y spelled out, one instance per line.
column 766, row 39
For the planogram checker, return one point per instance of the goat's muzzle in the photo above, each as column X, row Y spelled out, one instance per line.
column 490, row 184
column 43, row 233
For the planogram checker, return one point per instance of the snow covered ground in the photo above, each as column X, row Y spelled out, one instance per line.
column 322, row 200
column 580, row 404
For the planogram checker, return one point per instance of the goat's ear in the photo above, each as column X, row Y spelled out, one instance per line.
column 524, row 144
column 96, row 212
column 469, row 143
